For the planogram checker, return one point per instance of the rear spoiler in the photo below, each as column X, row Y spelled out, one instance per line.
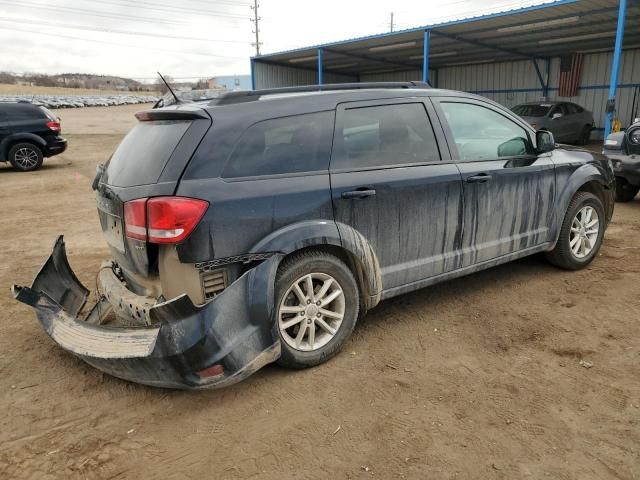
column 182, row 112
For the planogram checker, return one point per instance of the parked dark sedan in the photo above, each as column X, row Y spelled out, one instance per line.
column 259, row 226
column 569, row 123
column 28, row 134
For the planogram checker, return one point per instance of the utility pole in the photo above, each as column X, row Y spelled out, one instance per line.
column 256, row 21
column 391, row 23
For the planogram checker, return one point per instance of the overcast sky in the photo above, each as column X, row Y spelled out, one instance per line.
column 195, row 38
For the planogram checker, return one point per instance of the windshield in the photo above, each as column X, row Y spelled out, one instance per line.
column 532, row 109
column 142, row 155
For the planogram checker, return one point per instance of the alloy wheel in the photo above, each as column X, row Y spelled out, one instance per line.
column 311, row 312
column 585, row 228
column 26, row 158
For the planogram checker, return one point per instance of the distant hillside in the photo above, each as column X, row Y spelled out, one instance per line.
column 76, row 80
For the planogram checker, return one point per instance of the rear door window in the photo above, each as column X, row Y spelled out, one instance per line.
column 288, row 145
column 143, row 153
column 384, row 136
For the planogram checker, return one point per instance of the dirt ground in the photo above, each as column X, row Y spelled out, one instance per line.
column 475, row 378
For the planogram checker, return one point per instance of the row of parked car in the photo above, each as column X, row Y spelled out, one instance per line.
column 78, row 101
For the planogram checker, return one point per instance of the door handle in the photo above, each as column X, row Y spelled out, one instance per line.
column 359, row 194
column 480, row 178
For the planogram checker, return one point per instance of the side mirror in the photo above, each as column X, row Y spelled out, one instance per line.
column 556, row 115
column 544, row 141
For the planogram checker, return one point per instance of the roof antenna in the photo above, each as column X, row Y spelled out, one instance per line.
column 169, row 87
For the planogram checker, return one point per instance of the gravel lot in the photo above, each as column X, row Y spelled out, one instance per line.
column 476, row 378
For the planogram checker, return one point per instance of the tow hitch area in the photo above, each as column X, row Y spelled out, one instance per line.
column 183, row 345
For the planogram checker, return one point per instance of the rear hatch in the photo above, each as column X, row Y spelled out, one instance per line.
column 148, row 163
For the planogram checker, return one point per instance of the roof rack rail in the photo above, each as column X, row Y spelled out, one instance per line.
column 250, row 95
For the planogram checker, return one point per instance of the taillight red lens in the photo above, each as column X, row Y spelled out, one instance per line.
column 163, row 219
column 135, row 219
column 55, row 126
column 172, row 219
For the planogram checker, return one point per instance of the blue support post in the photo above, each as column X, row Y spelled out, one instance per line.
column 320, row 61
column 253, row 74
column 615, row 65
column 425, row 56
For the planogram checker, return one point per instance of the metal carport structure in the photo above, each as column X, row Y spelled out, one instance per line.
column 537, row 35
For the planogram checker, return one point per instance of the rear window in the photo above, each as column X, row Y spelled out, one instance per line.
column 539, row 110
column 143, row 153
column 301, row 143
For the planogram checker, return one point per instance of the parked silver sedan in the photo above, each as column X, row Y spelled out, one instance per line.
column 569, row 123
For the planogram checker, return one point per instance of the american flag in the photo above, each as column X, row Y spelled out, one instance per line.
column 570, row 70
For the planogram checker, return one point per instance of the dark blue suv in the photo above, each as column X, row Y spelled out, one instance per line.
column 259, row 226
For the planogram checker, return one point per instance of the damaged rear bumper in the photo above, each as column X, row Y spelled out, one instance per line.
column 185, row 346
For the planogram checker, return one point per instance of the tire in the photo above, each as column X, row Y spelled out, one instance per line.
column 329, row 332
column 25, row 157
column 585, row 136
column 564, row 254
column 625, row 192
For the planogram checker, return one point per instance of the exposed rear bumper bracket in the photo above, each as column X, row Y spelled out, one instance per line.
column 234, row 330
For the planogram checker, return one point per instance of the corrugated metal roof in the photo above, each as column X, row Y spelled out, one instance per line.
column 541, row 31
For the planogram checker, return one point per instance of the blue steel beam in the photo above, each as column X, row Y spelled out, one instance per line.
column 320, row 66
column 615, row 65
column 425, row 56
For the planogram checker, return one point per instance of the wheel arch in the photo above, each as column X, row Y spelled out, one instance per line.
column 585, row 179
column 323, row 235
column 24, row 137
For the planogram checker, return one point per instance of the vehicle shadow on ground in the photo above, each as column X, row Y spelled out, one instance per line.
column 7, row 169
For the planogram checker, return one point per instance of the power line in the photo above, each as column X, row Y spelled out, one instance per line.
column 256, row 21
column 116, row 31
column 91, row 13
column 84, row 39
column 167, row 8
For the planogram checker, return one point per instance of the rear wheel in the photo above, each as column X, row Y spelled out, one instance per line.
column 317, row 308
column 625, row 192
column 25, row 157
column 581, row 233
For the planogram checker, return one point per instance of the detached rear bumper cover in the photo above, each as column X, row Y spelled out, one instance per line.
column 234, row 330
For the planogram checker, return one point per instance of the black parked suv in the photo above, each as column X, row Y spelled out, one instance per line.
column 259, row 226
column 28, row 134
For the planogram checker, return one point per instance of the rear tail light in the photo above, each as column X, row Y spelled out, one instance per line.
column 53, row 126
column 135, row 219
column 163, row 219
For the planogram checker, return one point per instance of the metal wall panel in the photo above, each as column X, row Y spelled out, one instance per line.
column 508, row 83
column 410, row 76
column 274, row 76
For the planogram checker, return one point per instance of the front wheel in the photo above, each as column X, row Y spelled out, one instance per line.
column 625, row 192
column 317, row 308
column 581, row 233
